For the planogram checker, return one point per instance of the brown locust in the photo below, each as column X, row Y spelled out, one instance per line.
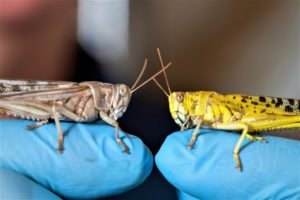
column 68, row 101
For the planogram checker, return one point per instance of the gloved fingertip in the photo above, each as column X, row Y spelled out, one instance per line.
column 92, row 165
column 195, row 171
column 184, row 196
column 16, row 186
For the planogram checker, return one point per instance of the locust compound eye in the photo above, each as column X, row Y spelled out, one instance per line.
column 123, row 90
column 179, row 98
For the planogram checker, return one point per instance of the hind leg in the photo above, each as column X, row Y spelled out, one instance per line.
column 235, row 126
column 255, row 138
column 37, row 124
column 59, row 130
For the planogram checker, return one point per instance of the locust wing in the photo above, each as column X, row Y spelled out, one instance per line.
column 42, row 90
column 262, row 104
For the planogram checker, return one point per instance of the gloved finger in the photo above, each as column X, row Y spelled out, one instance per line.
column 91, row 166
column 16, row 186
column 184, row 196
column 270, row 170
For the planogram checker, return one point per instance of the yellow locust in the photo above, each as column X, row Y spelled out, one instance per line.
column 236, row 112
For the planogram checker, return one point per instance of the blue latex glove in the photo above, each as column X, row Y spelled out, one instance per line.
column 92, row 165
column 270, row 170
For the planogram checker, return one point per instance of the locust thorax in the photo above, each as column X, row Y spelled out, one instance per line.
column 113, row 99
column 120, row 101
column 177, row 108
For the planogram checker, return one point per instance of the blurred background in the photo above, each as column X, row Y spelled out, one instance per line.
column 228, row 46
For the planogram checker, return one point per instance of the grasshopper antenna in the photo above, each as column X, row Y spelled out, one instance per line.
column 161, row 87
column 151, row 78
column 140, row 75
column 165, row 75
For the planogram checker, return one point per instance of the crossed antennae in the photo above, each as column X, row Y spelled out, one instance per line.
column 161, row 87
column 152, row 77
column 134, row 87
column 165, row 75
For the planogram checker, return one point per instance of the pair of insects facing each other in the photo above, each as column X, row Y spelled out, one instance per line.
column 68, row 101
column 86, row 101
column 234, row 112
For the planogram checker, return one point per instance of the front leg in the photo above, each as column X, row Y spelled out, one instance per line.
column 185, row 124
column 115, row 124
column 195, row 133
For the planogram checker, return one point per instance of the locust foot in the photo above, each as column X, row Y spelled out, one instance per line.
column 60, row 149
column 237, row 161
column 190, row 146
column 256, row 138
column 123, row 145
column 193, row 140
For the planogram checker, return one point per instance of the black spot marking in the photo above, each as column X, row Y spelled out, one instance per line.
column 263, row 111
column 288, row 109
column 250, row 97
column 254, row 103
column 30, row 82
column 262, row 99
column 279, row 102
column 268, row 105
column 273, row 101
column 2, row 87
column 291, row 101
column 241, row 107
column 244, row 100
column 234, row 97
column 247, row 106
column 16, row 88
column 254, row 111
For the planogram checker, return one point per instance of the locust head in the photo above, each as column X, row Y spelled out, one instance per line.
column 123, row 93
column 178, row 101
column 111, row 101
column 178, row 108
column 120, row 101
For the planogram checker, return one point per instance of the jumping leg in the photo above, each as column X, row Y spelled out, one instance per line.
column 37, row 124
column 60, row 132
